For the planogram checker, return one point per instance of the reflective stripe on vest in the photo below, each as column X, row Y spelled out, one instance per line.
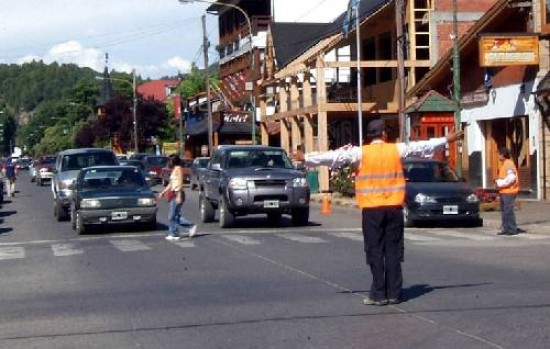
column 379, row 181
column 503, row 172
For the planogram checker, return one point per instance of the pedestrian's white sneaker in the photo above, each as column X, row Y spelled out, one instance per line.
column 193, row 231
column 172, row 237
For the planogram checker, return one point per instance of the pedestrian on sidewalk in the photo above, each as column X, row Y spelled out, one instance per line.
column 508, row 188
column 380, row 193
column 10, row 176
column 175, row 195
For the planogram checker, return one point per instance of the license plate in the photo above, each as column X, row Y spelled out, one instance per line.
column 117, row 216
column 271, row 203
column 450, row 209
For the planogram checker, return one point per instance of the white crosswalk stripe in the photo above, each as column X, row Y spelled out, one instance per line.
column 63, row 250
column 184, row 243
column 129, row 245
column 241, row 239
column 12, row 253
column 468, row 236
column 303, row 238
column 351, row 236
column 421, row 238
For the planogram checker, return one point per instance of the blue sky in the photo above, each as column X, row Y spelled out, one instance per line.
column 156, row 37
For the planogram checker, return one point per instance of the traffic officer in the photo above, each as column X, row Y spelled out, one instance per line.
column 508, row 188
column 380, row 193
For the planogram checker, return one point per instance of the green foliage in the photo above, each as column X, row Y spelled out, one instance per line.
column 195, row 83
column 343, row 180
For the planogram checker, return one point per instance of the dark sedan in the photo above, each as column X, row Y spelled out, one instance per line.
column 112, row 195
column 435, row 193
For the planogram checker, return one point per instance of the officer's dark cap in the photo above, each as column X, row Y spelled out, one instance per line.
column 375, row 127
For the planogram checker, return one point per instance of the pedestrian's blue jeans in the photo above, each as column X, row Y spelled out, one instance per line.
column 175, row 218
column 507, row 213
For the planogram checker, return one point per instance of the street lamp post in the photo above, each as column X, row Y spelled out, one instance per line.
column 134, row 104
column 250, row 38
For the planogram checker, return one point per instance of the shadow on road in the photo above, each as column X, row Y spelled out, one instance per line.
column 416, row 291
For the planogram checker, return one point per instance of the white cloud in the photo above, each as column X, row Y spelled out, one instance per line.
column 180, row 63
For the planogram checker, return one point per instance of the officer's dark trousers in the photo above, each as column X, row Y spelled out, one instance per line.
column 384, row 246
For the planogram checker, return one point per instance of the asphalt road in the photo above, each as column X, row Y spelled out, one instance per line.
column 257, row 286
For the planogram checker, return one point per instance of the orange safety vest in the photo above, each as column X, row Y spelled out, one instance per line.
column 379, row 181
column 503, row 172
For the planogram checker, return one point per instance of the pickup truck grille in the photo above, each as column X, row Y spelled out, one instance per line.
column 118, row 203
column 270, row 183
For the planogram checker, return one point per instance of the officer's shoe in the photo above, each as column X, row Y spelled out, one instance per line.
column 393, row 301
column 370, row 301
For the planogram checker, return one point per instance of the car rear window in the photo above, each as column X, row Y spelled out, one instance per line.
column 80, row 161
column 156, row 160
column 101, row 178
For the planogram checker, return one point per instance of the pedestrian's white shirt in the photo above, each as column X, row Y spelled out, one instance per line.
column 353, row 154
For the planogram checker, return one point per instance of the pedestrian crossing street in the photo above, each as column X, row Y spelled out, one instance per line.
column 250, row 238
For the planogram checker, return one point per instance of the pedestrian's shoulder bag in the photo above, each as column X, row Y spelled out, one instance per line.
column 170, row 195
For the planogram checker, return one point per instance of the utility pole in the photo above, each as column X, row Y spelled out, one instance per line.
column 134, row 111
column 456, row 86
column 401, row 70
column 205, row 46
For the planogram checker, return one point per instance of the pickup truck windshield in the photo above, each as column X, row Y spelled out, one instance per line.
column 257, row 159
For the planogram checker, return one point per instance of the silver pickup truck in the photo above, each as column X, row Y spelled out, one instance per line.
column 249, row 179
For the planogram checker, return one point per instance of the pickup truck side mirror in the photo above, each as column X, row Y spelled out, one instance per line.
column 216, row 167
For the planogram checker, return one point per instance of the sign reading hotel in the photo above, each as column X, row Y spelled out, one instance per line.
column 503, row 50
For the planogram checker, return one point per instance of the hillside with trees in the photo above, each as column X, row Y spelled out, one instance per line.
column 45, row 108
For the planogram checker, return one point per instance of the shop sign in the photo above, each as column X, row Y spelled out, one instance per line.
column 504, row 50
column 236, row 118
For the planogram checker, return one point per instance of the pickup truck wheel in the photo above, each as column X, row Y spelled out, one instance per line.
column 206, row 210
column 73, row 218
column 80, row 226
column 226, row 217
column 59, row 212
column 300, row 216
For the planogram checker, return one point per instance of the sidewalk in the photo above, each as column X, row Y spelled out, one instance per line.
column 529, row 211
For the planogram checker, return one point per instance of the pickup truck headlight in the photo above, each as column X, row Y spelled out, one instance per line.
column 67, row 184
column 300, row 183
column 472, row 199
column 90, row 203
column 423, row 199
column 238, row 184
column 146, row 202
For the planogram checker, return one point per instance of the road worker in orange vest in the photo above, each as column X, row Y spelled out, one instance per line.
column 380, row 193
column 508, row 188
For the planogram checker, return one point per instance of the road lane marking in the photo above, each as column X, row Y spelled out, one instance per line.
column 129, row 245
column 303, row 238
column 351, row 236
column 184, row 243
column 532, row 236
column 12, row 253
column 241, row 239
column 422, row 238
column 63, row 250
column 468, row 236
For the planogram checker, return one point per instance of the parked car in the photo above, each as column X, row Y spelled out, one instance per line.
column 435, row 193
column 106, row 195
column 24, row 163
column 186, row 168
column 138, row 156
column 68, row 164
column 141, row 167
column 43, row 169
column 154, row 164
column 241, row 180
column 197, row 167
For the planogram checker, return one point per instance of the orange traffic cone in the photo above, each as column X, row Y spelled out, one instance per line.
column 325, row 206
